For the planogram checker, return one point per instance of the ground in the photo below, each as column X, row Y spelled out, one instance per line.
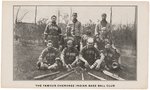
column 25, row 58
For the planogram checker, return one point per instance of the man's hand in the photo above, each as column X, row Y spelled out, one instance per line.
column 98, row 62
column 45, row 41
column 64, row 64
column 87, row 64
column 60, row 47
column 76, row 46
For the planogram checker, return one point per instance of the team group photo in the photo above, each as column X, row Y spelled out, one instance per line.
column 75, row 42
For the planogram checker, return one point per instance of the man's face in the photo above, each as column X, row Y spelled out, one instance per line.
column 103, row 17
column 53, row 19
column 70, row 44
column 74, row 16
column 90, row 44
column 107, row 46
column 49, row 45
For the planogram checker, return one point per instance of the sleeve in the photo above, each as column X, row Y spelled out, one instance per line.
column 117, row 54
column 109, row 27
column 57, row 53
column 43, row 54
column 79, row 28
column 96, row 29
column 109, row 31
column 95, row 42
column 77, row 52
column 62, row 40
column 46, row 32
column 82, row 51
column 59, row 30
column 63, row 53
column 95, row 39
column 97, row 53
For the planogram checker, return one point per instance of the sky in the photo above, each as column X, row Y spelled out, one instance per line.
column 120, row 15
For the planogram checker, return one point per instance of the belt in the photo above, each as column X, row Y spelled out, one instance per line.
column 53, row 35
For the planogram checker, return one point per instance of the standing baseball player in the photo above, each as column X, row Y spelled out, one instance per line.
column 49, row 58
column 103, row 25
column 90, row 56
column 76, row 28
column 52, row 32
column 68, row 36
column 100, row 40
column 70, row 54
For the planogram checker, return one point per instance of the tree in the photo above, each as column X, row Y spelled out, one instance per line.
column 17, row 15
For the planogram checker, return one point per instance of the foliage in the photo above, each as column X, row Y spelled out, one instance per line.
column 122, row 35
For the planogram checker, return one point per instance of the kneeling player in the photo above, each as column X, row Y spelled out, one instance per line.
column 112, row 57
column 90, row 56
column 49, row 58
column 69, row 55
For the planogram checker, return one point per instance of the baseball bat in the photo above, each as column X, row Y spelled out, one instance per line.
column 46, row 75
column 100, row 78
column 112, row 75
column 64, row 75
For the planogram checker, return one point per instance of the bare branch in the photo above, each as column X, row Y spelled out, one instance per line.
column 23, row 16
column 17, row 15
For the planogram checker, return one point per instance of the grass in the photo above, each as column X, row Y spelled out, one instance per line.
column 25, row 58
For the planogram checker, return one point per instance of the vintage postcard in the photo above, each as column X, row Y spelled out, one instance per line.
column 75, row 44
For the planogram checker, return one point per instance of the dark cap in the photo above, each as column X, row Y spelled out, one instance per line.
column 54, row 16
column 74, row 14
column 69, row 41
column 49, row 41
column 104, row 14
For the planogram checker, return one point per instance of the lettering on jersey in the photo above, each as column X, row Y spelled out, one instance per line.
column 90, row 52
column 51, row 54
column 108, row 54
column 53, row 27
column 71, row 54
column 69, row 38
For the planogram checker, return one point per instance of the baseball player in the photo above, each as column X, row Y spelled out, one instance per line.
column 112, row 57
column 70, row 54
column 90, row 56
column 85, row 37
column 49, row 58
column 76, row 28
column 52, row 32
column 103, row 25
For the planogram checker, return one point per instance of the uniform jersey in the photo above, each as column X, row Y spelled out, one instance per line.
column 90, row 54
column 66, row 38
column 52, row 32
column 76, row 27
column 100, row 42
column 50, row 55
column 100, row 25
column 70, row 55
column 52, row 29
column 111, row 54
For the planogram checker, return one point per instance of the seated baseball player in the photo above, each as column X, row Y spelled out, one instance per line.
column 49, row 58
column 85, row 37
column 112, row 57
column 69, row 55
column 90, row 56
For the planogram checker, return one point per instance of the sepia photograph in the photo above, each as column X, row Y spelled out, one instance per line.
column 75, row 44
